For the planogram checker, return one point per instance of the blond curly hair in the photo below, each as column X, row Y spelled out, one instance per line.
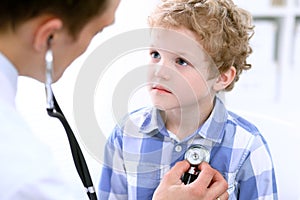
column 223, row 29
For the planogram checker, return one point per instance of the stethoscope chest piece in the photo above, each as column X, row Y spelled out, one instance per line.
column 194, row 155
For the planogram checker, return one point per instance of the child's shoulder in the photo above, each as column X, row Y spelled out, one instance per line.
column 242, row 122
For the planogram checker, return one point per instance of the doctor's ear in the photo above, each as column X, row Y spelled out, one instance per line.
column 45, row 32
column 224, row 79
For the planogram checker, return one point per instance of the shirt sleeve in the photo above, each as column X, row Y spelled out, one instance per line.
column 113, row 182
column 256, row 177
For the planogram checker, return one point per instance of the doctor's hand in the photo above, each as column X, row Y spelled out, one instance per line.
column 209, row 185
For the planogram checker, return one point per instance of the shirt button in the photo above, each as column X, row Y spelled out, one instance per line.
column 178, row 148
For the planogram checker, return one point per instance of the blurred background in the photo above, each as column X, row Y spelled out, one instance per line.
column 266, row 95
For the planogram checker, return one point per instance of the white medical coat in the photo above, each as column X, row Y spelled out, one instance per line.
column 27, row 169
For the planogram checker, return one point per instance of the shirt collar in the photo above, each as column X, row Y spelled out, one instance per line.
column 8, row 80
column 212, row 129
column 152, row 120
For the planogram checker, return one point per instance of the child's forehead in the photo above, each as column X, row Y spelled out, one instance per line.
column 180, row 42
column 175, row 40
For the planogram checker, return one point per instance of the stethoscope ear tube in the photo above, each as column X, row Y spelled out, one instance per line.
column 78, row 157
column 48, row 79
column 54, row 110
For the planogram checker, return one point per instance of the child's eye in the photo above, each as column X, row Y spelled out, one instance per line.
column 155, row 55
column 182, row 62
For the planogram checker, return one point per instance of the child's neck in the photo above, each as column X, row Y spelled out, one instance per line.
column 185, row 121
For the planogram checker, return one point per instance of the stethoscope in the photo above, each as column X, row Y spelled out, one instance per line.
column 54, row 110
column 194, row 155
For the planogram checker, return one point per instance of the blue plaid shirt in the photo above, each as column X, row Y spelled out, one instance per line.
column 140, row 151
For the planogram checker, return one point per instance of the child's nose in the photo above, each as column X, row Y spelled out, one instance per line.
column 162, row 71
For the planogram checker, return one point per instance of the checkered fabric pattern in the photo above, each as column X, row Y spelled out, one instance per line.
column 140, row 151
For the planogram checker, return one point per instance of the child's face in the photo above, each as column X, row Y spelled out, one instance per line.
column 179, row 71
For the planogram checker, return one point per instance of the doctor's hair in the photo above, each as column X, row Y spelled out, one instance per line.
column 223, row 29
column 73, row 13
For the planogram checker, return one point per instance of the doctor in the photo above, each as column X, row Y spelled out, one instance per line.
column 28, row 29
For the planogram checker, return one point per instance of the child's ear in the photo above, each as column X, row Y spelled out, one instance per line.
column 225, row 79
column 44, row 31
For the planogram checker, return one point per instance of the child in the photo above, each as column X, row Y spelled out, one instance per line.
column 184, row 80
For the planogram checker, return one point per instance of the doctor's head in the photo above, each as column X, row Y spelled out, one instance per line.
column 27, row 26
